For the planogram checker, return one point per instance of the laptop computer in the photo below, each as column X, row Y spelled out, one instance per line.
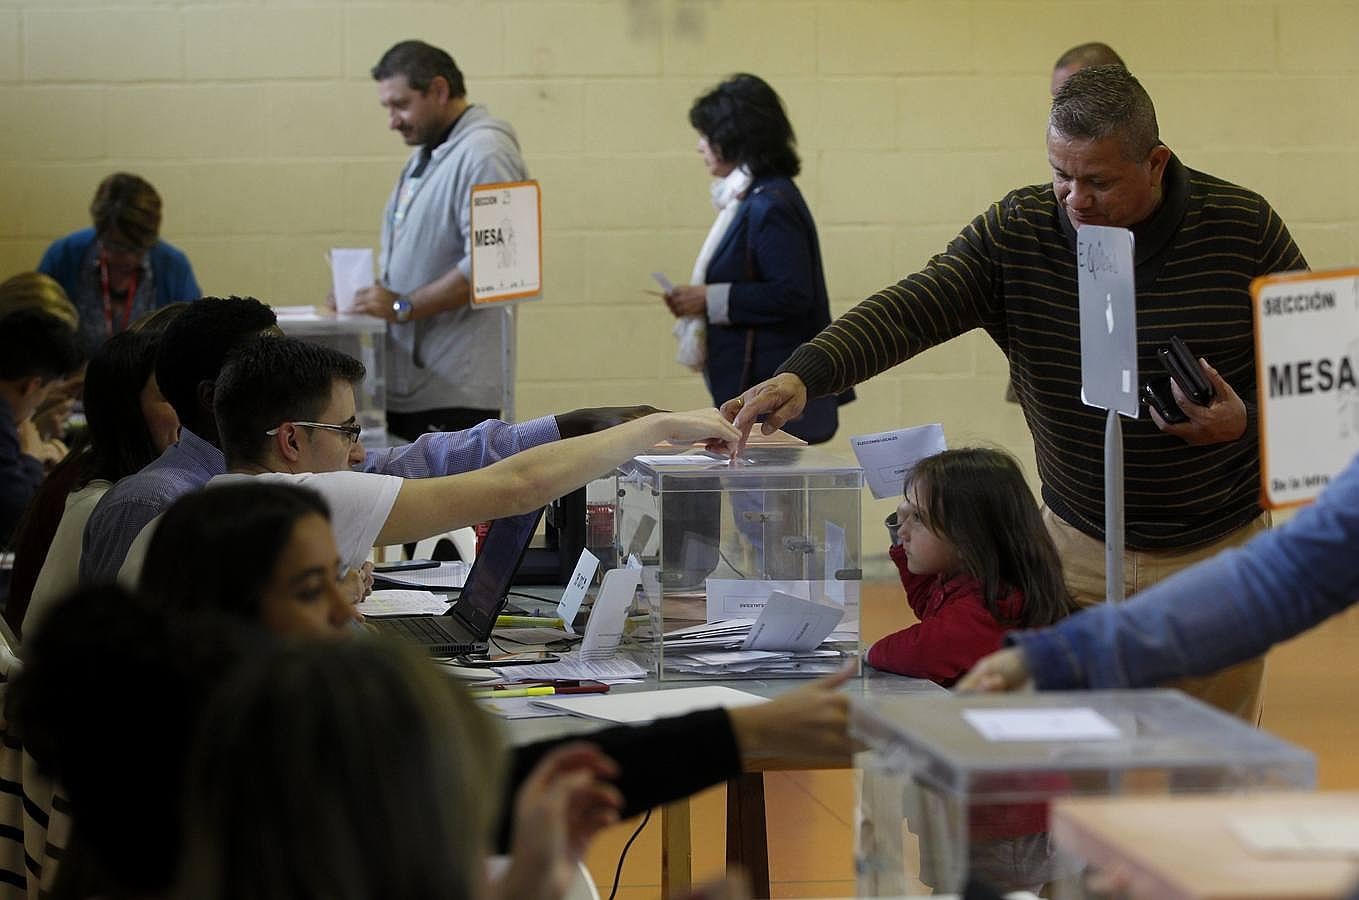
column 466, row 627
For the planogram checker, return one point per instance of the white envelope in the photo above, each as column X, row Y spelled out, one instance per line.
column 791, row 623
column 610, row 613
column 351, row 270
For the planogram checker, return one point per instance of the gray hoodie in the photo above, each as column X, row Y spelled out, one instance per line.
column 452, row 359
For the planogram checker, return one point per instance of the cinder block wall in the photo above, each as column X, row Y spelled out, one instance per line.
column 257, row 121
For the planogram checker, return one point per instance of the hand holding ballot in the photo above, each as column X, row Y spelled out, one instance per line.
column 781, row 399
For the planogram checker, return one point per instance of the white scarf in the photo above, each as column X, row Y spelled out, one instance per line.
column 727, row 194
column 691, row 331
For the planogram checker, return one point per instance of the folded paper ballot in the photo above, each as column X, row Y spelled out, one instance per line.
column 351, row 270
column 888, row 455
column 791, row 623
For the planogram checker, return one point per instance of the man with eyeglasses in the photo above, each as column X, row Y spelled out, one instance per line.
column 192, row 352
column 120, row 269
column 1191, row 488
column 285, row 410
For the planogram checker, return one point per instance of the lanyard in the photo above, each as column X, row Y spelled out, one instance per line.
column 108, row 301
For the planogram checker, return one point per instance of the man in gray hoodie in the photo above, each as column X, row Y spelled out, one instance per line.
column 444, row 356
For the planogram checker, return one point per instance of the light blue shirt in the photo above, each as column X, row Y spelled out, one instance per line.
column 187, row 466
column 1226, row 610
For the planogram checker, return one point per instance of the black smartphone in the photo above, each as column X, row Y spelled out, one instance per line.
column 1156, row 394
column 406, row 565
column 1183, row 366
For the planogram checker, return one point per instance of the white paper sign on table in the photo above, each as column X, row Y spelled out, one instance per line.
column 888, row 455
column 1078, row 723
column 610, row 613
column 351, row 270
column 792, row 623
column 574, row 595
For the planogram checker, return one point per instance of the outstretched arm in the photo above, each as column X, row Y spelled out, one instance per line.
column 1232, row 607
column 539, row 475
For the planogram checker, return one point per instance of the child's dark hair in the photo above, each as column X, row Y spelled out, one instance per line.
column 978, row 500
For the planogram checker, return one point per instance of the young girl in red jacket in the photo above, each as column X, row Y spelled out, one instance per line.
column 975, row 560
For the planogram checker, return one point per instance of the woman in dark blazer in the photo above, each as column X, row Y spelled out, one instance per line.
column 759, row 283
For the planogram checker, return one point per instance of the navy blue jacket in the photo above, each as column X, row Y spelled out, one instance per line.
column 771, row 257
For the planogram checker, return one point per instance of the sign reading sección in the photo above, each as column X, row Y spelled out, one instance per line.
column 507, row 240
column 1307, row 357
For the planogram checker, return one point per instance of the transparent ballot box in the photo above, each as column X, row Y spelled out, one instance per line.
column 362, row 337
column 721, row 543
column 954, row 787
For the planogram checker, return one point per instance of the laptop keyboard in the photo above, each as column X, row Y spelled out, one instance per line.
column 420, row 628
column 423, row 630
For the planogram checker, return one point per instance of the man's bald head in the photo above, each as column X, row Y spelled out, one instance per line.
column 1081, row 56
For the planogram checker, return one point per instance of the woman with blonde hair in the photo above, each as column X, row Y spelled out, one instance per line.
column 34, row 290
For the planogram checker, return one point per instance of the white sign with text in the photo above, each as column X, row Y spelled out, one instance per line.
column 1307, row 335
column 507, row 240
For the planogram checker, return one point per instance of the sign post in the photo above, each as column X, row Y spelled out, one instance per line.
column 1307, row 366
column 1108, row 307
column 507, row 262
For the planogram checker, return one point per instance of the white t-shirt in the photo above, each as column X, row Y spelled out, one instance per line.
column 60, row 572
column 359, row 505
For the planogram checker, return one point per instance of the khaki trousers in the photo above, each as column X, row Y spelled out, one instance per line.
column 1236, row 689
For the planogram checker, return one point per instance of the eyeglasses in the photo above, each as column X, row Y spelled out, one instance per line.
column 351, row 430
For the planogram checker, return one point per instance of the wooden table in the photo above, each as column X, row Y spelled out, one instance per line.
column 1178, row 848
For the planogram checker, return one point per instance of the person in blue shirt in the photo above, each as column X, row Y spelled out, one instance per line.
column 120, row 269
column 1230, row 608
column 36, row 349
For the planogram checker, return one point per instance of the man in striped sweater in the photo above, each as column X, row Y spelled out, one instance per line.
column 1191, row 488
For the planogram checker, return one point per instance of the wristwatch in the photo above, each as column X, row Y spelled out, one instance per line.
column 402, row 309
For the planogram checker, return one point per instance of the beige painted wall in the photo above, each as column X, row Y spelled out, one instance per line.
column 257, row 121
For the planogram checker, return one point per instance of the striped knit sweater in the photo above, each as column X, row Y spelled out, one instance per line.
column 1012, row 271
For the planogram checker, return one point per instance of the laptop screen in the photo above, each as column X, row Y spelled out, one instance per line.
column 489, row 579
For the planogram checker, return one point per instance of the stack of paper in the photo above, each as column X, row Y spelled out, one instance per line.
column 788, row 637
column 615, row 670
column 403, row 603
column 445, row 576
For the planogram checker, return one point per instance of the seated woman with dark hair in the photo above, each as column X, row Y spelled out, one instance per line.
column 401, row 803
column 129, row 424
column 106, row 704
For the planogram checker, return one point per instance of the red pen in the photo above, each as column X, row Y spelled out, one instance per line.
column 584, row 687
